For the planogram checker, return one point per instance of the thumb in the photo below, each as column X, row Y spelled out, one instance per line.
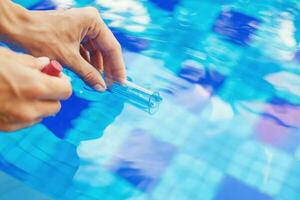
column 88, row 73
column 41, row 62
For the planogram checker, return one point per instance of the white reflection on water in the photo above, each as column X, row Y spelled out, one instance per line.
column 120, row 12
column 285, row 81
column 277, row 36
column 64, row 4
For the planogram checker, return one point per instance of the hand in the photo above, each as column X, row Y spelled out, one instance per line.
column 77, row 38
column 27, row 94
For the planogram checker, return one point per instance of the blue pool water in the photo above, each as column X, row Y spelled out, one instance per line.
column 228, row 128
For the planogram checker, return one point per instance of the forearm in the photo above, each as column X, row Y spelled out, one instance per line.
column 11, row 17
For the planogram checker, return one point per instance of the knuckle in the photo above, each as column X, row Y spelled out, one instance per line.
column 78, row 68
column 26, row 115
column 117, row 46
column 92, row 12
column 66, row 57
column 66, row 90
column 40, row 62
column 88, row 76
column 114, row 47
column 39, row 90
column 29, row 117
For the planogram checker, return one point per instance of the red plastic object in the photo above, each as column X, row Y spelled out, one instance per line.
column 54, row 68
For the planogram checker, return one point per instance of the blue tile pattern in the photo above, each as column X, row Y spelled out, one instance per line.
column 228, row 128
column 241, row 191
column 142, row 160
column 44, row 5
column 167, row 4
column 62, row 122
column 236, row 27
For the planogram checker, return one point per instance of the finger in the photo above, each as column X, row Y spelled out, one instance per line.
column 84, row 53
column 41, row 62
column 114, row 66
column 108, row 77
column 110, row 48
column 47, row 87
column 95, row 56
column 87, row 72
column 6, row 118
column 97, row 61
column 46, row 108
column 29, row 111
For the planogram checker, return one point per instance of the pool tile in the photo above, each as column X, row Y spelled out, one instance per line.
column 95, row 116
column 218, row 151
column 12, row 169
column 236, row 27
column 23, row 160
column 192, row 97
column 277, row 125
column 168, row 5
column 12, row 189
column 142, row 160
column 197, row 11
column 289, row 193
column 131, row 43
column 265, row 168
column 194, row 176
column 268, row 131
column 297, row 56
column 194, row 87
column 44, row 5
column 27, row 3
column 62, row 122
column 285, row 111
column 291, row 188
column 202, row 76
column 233, row 189
column 188, row 178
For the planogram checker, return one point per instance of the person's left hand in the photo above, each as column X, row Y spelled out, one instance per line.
column 77, row 38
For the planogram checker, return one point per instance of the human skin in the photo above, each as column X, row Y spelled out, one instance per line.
column 77, row 38
column 27, row 94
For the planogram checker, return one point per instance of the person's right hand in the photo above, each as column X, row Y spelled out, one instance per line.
column 26, row 94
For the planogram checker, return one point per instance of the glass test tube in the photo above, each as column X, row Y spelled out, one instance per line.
column 138, row 96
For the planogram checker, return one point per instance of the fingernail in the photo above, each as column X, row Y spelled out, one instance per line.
column 43, row 61
column 99, row 88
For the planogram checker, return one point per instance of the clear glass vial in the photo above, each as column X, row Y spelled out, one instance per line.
column 138, row 96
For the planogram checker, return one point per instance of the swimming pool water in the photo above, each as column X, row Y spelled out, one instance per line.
column 228, row 128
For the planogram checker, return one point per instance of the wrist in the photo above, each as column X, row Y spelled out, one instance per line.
column 12, row 17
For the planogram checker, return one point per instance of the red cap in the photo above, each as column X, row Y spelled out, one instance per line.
column 53, row 68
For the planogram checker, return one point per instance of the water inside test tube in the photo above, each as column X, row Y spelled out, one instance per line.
column 137, row 95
